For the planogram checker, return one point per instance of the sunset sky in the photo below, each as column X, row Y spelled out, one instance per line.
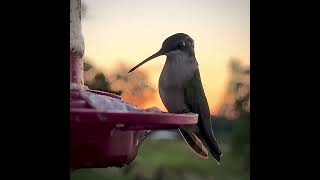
column 131, row 30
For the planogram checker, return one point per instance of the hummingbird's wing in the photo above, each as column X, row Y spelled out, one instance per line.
column 197, row 103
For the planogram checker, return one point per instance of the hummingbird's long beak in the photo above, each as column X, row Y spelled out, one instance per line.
column 157, row 54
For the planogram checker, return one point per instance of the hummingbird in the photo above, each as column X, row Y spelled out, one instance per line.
column 181, row 91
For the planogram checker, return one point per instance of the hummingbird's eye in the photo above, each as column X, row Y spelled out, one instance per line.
column 181, row 44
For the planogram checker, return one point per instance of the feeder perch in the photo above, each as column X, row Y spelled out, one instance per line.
column 106, row 131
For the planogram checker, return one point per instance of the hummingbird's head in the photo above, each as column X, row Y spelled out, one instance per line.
column 175, row 44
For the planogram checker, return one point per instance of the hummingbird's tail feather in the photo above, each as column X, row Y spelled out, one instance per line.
column 207, row 134
column 194, row 143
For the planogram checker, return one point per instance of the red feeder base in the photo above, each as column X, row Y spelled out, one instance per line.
column 105, row 138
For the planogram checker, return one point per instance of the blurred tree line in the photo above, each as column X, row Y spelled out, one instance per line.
column 134, row 88
column 99, row 82
column 239, row 91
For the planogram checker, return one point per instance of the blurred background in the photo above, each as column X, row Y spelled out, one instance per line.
column 120, row 34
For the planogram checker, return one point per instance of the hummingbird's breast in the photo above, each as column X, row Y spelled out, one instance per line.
column 175, row 73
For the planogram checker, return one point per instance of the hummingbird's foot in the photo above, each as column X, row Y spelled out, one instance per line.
column 186, row 111
column 153, row 109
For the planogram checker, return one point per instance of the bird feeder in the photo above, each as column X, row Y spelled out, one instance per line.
column 106, row 131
